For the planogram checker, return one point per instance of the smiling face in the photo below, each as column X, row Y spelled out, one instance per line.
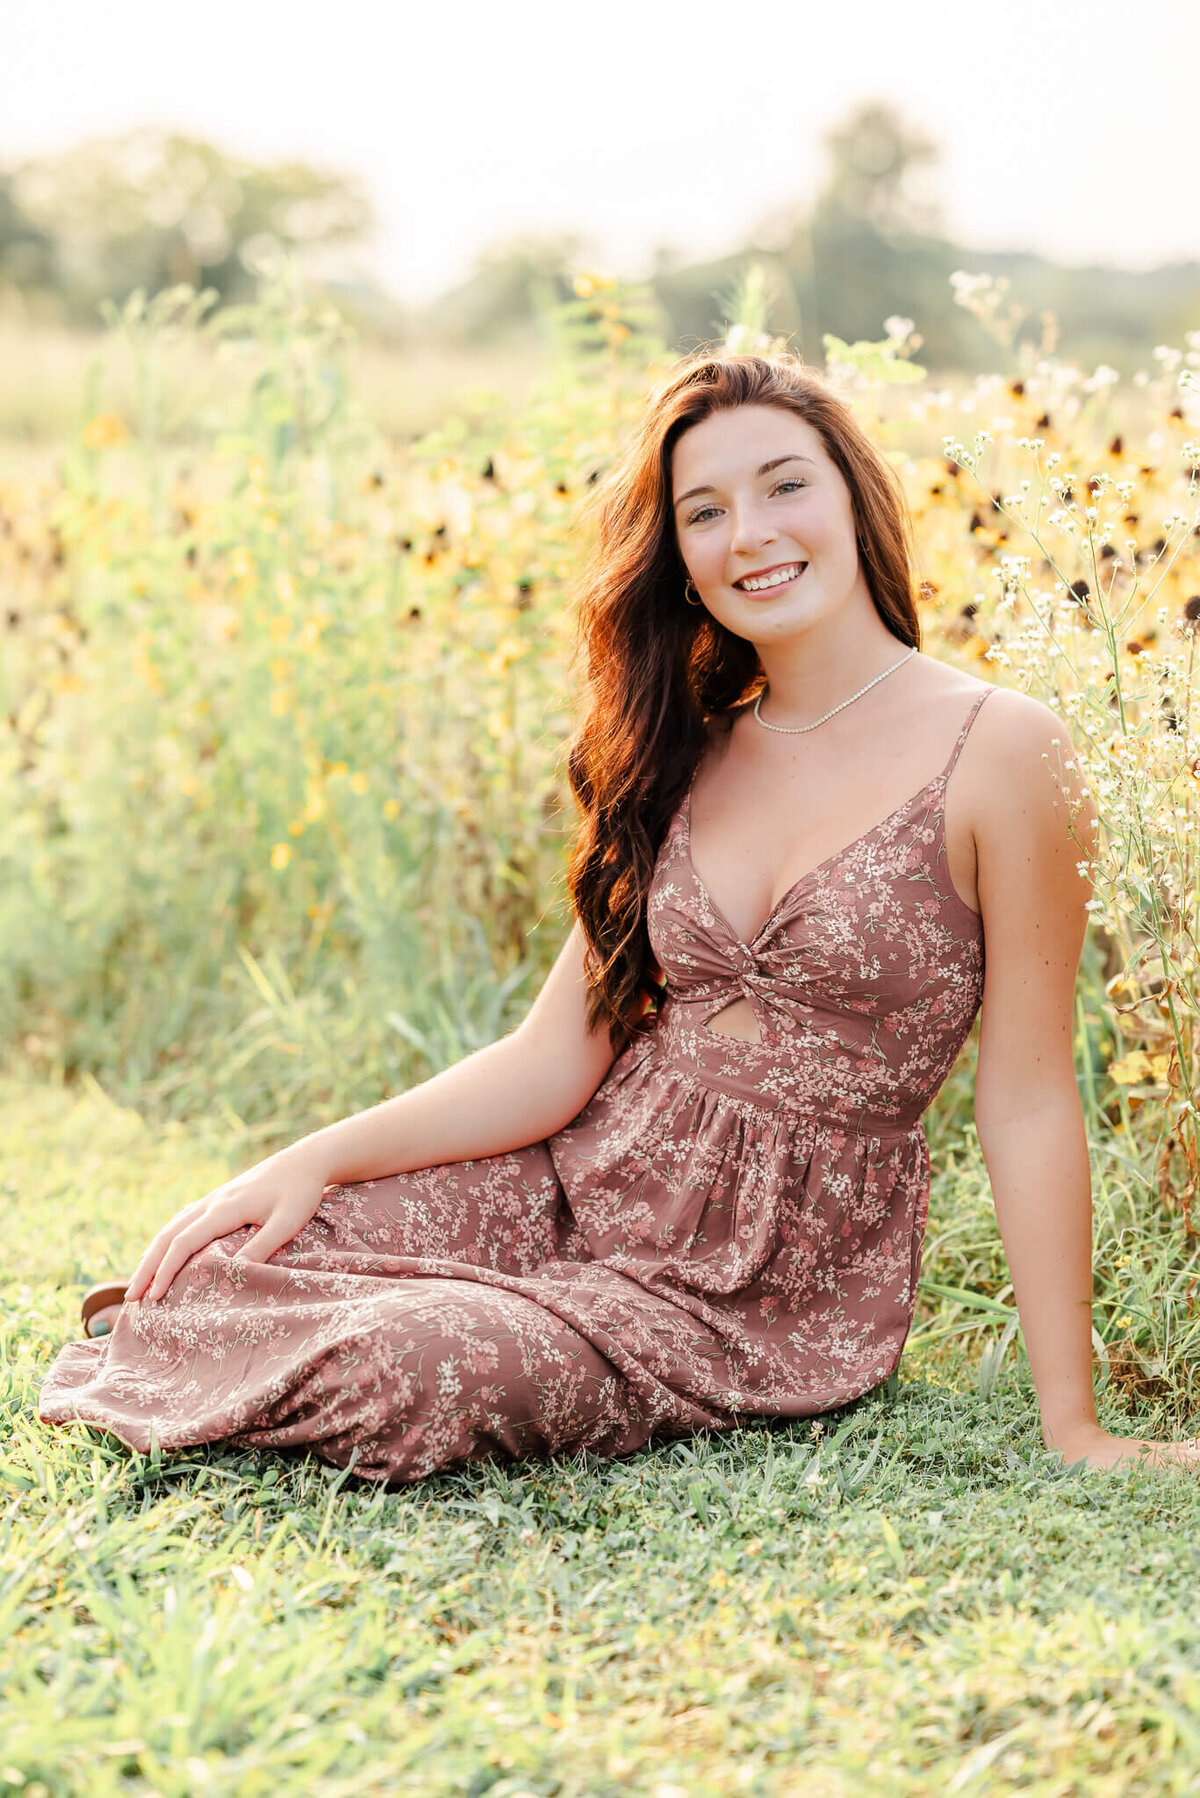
column 771, row 503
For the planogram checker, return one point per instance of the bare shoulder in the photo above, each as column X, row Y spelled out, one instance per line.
column 1019, row 736
column 1026, row 780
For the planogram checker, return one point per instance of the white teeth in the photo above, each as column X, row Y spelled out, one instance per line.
column 774, row 579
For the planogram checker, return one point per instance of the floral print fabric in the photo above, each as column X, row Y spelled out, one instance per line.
column 728, row 1229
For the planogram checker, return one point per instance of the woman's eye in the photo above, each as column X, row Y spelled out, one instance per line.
column 779, row 487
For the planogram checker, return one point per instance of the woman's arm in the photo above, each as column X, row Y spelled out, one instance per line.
column 518, row 1090
column 1033, row 899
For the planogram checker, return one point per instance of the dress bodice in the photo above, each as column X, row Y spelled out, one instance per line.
column 864, row 979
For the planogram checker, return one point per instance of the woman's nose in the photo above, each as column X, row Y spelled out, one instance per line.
column 750, row 527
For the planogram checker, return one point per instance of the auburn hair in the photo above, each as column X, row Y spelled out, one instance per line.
column 657, row 669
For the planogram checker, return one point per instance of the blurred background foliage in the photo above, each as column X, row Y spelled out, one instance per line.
column 150, row 209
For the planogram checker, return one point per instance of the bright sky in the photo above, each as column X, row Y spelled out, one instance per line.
column 1066, row 128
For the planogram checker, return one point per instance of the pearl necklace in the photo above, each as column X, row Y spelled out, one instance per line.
column 792, row 730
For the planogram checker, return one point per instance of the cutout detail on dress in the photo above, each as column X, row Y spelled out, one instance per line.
column 740, row 1013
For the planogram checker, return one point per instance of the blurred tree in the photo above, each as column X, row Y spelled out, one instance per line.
column 152, row 208
column 873, row 157
column 500, row 298
column 28, row 255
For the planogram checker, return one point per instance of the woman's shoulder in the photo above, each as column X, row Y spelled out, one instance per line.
column 1015, row 719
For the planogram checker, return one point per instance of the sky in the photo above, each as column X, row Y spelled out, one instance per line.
column 1066, row 128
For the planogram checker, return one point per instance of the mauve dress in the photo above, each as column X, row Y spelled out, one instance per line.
column 728, row 1229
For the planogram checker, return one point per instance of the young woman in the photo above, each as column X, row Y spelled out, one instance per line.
column 690, row 1188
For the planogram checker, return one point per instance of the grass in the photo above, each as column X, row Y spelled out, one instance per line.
column 908, row 1596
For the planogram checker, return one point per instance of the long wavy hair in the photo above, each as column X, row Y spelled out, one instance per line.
column 658, row 669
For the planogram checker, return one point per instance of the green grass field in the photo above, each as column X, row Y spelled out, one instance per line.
column 908, row 1596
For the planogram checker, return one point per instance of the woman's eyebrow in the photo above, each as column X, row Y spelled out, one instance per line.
column 765, row 469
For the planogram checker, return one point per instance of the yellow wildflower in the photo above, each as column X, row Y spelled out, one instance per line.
column 391, row 808
column 242, row 564
column 285, row 587
column 147, row 671
column 1132, row 1068
column 498, row 724
column 104, row 431
column 314, row 805
column 507, row 651
column 359, row 783
column 296, row 828
column 281, row 702
column 281, row 855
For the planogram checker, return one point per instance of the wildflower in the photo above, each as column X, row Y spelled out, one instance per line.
column 507, row 651
column 1131, row 1068
column 1123, row 1323
column 281, row 702
column 281, row 855
column 104, row 431
column 359, row 783
column 285, row 587
column 242, row 564
column 391, row 808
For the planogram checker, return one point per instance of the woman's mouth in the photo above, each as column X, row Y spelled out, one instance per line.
column 786, row 575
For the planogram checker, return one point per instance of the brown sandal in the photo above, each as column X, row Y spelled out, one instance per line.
column 95, row 1299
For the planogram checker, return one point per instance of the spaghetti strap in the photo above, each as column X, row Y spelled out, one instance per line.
column 962, row 735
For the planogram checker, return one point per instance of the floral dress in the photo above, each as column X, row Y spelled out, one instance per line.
column 729, row 1229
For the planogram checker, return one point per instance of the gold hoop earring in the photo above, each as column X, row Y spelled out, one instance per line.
column 688, row 585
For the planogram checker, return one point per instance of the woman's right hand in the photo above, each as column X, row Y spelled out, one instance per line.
column 280, row 1195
